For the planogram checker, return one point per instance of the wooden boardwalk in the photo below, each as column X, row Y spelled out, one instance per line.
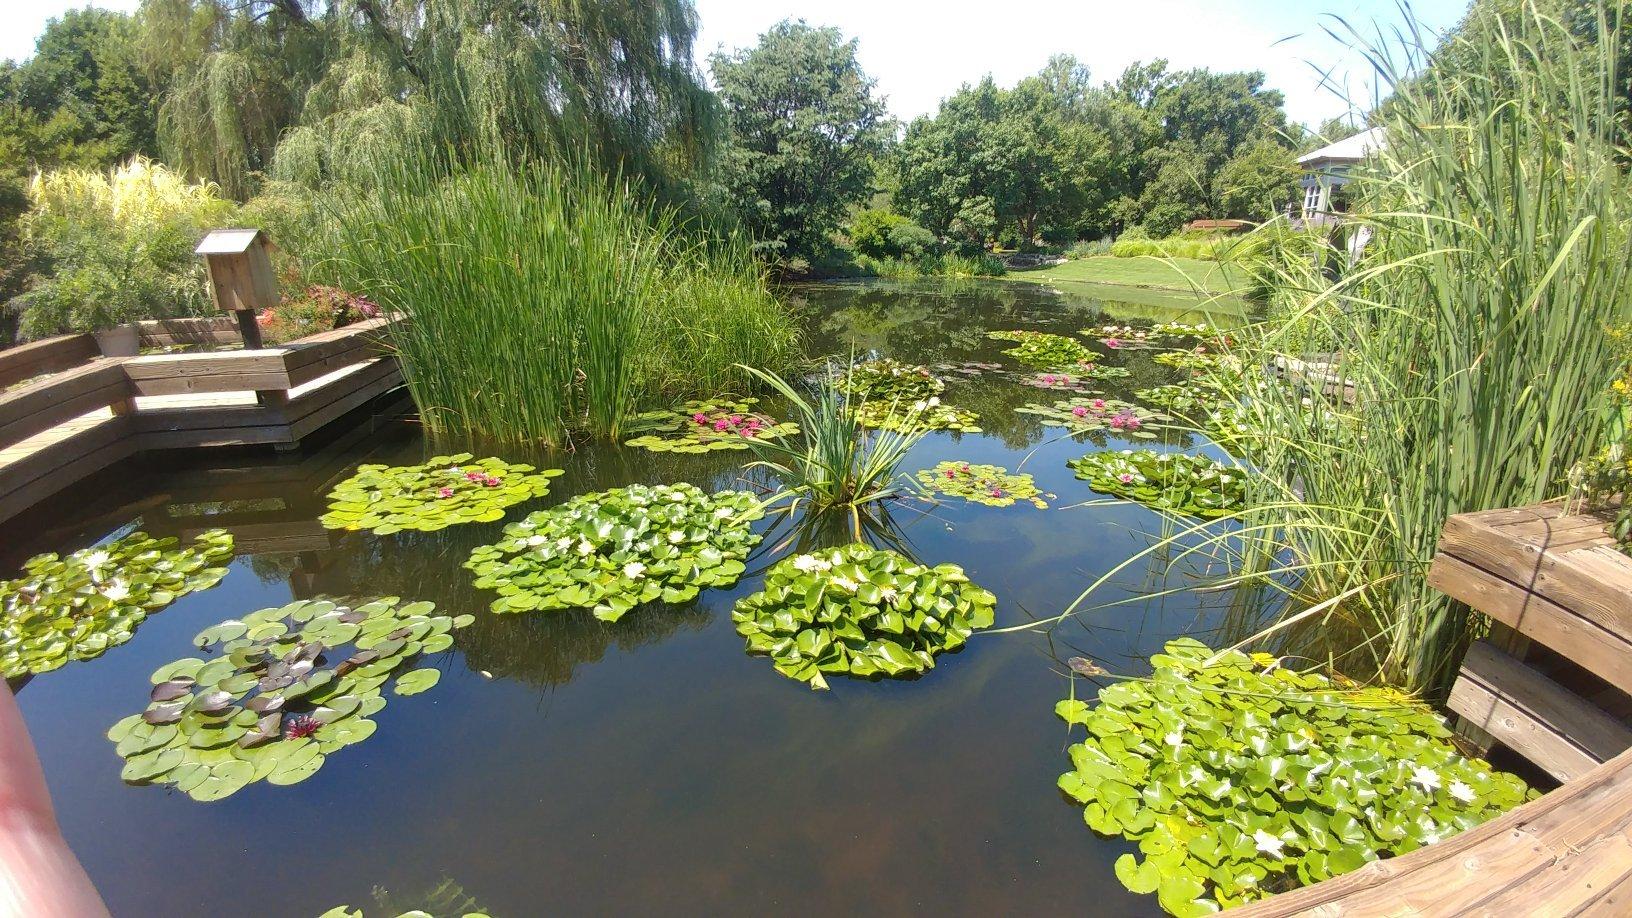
column 1551, row 682
column 83, row 413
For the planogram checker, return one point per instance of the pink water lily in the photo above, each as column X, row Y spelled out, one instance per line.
column 722, row 424
column 1125, row 478
column 1080, row 411
column 1099, row 404
column 445, row 492
column 1112, row 343
column 699, row 418
column 1049, row 379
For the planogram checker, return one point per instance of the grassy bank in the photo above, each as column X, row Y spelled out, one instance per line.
column 1184, row 275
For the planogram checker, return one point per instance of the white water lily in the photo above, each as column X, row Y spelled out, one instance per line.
column 116, row 591
column 1174, row 739
column 564, row 543
column 95, row 561
column 889, row 594
column 1425, row 778
column 1462, row 791
column 808, row 563
column 723, row 513
column 584, row 548
column 634, row 570
column 535, row 541
column 934, row 401
column 676, row 537
column 1268, row 844
column 845, row 583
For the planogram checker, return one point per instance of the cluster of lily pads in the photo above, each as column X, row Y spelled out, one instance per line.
column 1184, row 401
column 861, row 611
column 1240, row 778
column 927, row 415
column 1197, row 358
column 1184, row 330
column 700, row 427
column 1045, row 351
column 1123, row 337
column 443, row 491
column 281, row 695
column 1177, row 482
column 613, row 550
column 886, row 380
column 991, row 485
column 78, row 606
column 1081, row 415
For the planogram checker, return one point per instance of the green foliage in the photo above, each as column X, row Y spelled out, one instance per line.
column 885, row 235
column 613, row 550
column 804, row 130
column 637, row 313
column 76, row 607
column 929, row 414
column 1604, row 481
column 442, row 492
column 991, row 485
column 700, row 427
column 1124, row 337
column 1175, row 482
column 1258, row 181
column 860, row 611
column 1201, row 248
column 269, row 706
column 1240, row 778
column 316, row 309
column 837, row 464
column 119, row 246
column 1185, row 401
column 1197, row 359
column 948, row 264
column 1046, row 351
column 1083, row 414
column 889, row 380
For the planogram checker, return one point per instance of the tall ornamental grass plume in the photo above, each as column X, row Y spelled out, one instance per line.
column 542, row 299
column 1471, row 330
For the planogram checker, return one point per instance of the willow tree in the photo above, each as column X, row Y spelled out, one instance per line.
column 316, row 91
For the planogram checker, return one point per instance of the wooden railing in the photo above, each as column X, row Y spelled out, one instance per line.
column 92, row 411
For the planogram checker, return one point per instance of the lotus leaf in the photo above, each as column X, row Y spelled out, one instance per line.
column 982, row 484
column 1045, row 351
column 861, row 611
column 1081, row 415
column 78, row 606
column 1239, row 777
column 442, row 492
column 613, row 550
column 699, row 427
column 929, row 415
column 887, row 381
column 273, row 707
column 1178, row 482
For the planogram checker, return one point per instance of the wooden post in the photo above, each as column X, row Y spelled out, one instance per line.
column 242, row 281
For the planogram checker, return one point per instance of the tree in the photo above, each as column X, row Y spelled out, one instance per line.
column 1257, row 181
column 804, row 128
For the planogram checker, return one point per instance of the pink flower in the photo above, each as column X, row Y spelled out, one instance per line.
column 1065, row 380
column 736, row 419
column 490, row 482
column 1080, row 411
column 1099, row 404
column 1125, row 478
column 1049, row 379
column 474, row 476
column 1133, row 422
column 950, row 473
column 1112, row 343
column 1117, row 422
column 965, row 467
column 699, row 418
column 445, row 492
column 721, row 424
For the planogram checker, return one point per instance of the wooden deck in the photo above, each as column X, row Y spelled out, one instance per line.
column 82, row 414
column 1552, row 684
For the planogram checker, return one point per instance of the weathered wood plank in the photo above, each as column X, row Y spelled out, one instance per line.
column 51, row 466
column 1574, row 883
column 312, row 411
column 48, row 355
column 38, row 407
column 172, row 332
column 1535, row 716
column 1530, row 564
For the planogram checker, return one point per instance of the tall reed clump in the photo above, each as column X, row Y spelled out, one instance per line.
column 1471, row 329
column 541, row 299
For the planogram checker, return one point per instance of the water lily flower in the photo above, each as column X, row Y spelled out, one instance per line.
column 1268, row 844
column 1174, row 739
column 721, row 424
column 1425, row 778
column 96, row 560
column 722, row 513
column 116, row 591
column 1117, row 422
column 1125, row 478
column 934, row 401
column 1461, row 791
column 1049, row 378
column 491, row 482
column 634, row 570
column 300, row 727
column 950, row 473
column 1112, row 343
column 1099, row 404
column 699, row 418
column 536, row 541
column 845, row 583
column 584, row 548
column 808, row 563
column 1080, row 411
column 1133, row 422
column 735, row 419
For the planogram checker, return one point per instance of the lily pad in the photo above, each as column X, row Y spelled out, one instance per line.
column 444, row 491
column 991, row 485
column 1176, row 482
column 613, row 550
column 700, row 427
column 271, row 707
column 1045, row 351
column 1082, row 414
column 78, row 606
column 887, row 380
column 861, row 611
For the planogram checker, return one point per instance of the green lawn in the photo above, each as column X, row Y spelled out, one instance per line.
column 1182, row 274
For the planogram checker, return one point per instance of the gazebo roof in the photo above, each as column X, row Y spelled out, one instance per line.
column 1348, row 150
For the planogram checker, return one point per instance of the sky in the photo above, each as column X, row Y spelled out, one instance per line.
column 920, row 51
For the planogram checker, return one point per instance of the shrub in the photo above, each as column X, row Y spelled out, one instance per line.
column 881, row 234
column 118, row 246
column 1088, row 248
column 1206, row 247
column 316, row 309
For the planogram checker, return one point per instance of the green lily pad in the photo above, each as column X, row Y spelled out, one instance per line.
column 79, row 606
column 444, row 491
column 1176, row 482
column 700, row 427
column 417, row 681
column 1045, row 351
column 982, row 484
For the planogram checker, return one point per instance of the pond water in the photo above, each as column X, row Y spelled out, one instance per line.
column 567, row 766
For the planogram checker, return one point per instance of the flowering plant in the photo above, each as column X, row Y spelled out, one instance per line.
column 1045, row 351
column 928, row 414
column 76, row 607
column 435, row 495
column 612, row 550
column 862, row 611
column 1240, row 778
column 316, row 309
column 886, row 380
column 699, row 427
column 991, row 485
column 1081, row 415
column 1166, row 481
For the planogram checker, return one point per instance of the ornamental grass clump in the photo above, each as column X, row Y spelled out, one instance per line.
column 613, row 550
column 543, row 299
column 1468, row 333
column 1240, row 778
column 281, row 695
column 1177, row 482
column 860, row 611
column 78, row 606
column 441, row 492
column 991, row 485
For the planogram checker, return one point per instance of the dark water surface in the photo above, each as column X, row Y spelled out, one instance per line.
column 565, row 766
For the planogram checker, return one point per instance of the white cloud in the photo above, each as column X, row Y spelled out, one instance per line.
column 22, row 21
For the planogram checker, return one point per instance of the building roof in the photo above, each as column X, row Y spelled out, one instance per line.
column 227, row 242
column 1350, row 149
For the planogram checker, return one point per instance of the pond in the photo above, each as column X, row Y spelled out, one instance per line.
column 571, row 766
